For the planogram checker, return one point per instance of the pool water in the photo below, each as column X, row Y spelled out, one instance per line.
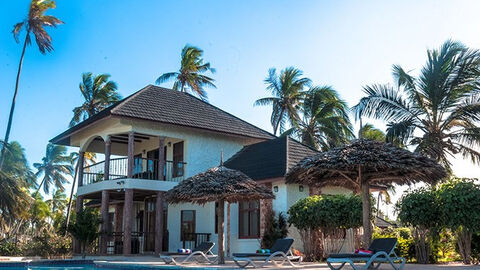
column 74, row 265
column 86, row 265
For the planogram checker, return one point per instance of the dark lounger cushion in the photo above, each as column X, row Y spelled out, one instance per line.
column 282, row 245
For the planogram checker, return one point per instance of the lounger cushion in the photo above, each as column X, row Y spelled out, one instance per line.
column 204, row 247
column 349, row 255
column 251, row 254
column 282, row 245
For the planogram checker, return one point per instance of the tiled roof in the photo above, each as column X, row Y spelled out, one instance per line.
column 269, row 159
column 173, row 107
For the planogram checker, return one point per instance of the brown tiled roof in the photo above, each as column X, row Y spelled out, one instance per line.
column 269, row 159
column 163, row 105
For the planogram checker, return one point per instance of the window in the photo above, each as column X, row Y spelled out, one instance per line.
column 187, row 224
column 249, row 219
column 178, row 159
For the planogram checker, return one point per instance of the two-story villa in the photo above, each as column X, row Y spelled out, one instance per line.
column 157, row 137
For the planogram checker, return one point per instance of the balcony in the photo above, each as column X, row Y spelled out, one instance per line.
column 144, row 168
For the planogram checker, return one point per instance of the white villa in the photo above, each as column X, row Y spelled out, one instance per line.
column 154, row 139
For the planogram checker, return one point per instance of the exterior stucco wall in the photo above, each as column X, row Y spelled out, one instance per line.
column 202, row 149
column 205, row 223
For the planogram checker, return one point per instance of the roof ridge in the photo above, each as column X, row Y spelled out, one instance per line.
column 198, row 99
column 123, row 101
column 306, row 145
column 234, row 116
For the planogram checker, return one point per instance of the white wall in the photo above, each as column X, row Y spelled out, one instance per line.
column 202, row 149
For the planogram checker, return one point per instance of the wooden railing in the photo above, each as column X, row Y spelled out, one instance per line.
column 192, row 240
column 144, row 168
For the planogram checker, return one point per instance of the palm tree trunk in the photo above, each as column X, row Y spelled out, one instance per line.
column 38, row 189
column 12, row 107
column 71, row 197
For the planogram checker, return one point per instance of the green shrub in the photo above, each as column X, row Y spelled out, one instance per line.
column 276, row 229
column 420, row 209
column 8, row 248
column 39, row 246
column 324, row 217
column 327, row 212
column 476, row 248
column 460, row 202
column 405, row 246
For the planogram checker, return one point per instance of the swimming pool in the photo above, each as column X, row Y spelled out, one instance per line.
column 83, row 265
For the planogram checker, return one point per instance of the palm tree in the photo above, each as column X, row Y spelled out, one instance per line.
column 287, row 94
column 190, row 77
column 15, row 179
column 35, row 24
column 58, row 201
column 368, row 131
column 435, row 112
column 98, row 93
column 325, row 122
column 16, row 164
column 55, row 167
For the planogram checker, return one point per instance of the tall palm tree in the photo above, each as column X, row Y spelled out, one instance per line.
column 98, row 93
column 324, row 123
column 55, row 167
column 15, row 178
column 287, row 93
column 190, row 77
column 436, row 112
column 35, row 24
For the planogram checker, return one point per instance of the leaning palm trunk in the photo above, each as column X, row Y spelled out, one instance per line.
column 12, row 107
column 71, row 197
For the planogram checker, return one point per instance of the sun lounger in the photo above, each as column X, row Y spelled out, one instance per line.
column 279, row 254
column 202, row 252
column 383, row 251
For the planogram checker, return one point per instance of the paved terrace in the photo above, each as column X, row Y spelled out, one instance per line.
column 151, row 261
column 154, row 261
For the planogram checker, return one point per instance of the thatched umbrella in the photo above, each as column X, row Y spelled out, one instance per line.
column 361, row 164
column 221, row 185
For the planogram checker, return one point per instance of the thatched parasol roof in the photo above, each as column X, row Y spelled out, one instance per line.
column 380, row 163
column 219, row 183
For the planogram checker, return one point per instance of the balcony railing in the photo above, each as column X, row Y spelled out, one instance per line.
column 144, row 168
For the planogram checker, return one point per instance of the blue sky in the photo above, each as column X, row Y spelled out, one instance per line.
column 346, row 44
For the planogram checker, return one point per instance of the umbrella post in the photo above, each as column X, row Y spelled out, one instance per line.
column 221, row 227
column 228, row 229
column 366, row 209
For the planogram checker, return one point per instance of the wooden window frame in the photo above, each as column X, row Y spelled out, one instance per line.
column 181, row 221
column 177, row 159
column 240, row 219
